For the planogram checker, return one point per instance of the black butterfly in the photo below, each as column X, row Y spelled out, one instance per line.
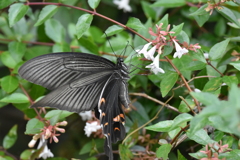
column 82, row 82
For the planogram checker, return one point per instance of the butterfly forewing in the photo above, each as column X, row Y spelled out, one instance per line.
column 57, row 69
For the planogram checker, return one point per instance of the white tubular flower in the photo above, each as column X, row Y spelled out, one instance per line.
column 46, row 152
column 91, row 127
column 179, row 50
column 123, row 4
column 86, row 115
column 155, row 66
column 206, row 55
column 147, row 54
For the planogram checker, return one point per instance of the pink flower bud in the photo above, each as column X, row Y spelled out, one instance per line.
column 60, row 129
column 55, row 139
column 63, row 123
column 47, row 134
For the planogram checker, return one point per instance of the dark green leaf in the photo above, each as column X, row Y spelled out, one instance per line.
column 229, row 80
column 34, row 126
column 26, row 154
column 213, row 84
column 177, row 29
column 135, row 23
column 46, row 13
column 163, row 151
column 8, row 60
column 148, row 11
column 57, row 115
column 17, row 50
column 124, row 152
column 180, row 156
column 83, row 24
column 218, row 50
column 16, row 12
column 114, row 29
column 89, row 45
column 92, row 145
column 55, row 30
column 5, row 3
column 236, row 65
column 10, row 138
column 15, row 98
column 169, row 3
column 163, row 126
column 200, row 11
column 168, row 82
column 201, row 96
column 229, row 15
column 180, row 119
column 93, row 3
column 9, row 83
column 200, row 137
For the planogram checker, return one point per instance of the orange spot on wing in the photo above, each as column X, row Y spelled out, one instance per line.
column 116, row 119
column 106, row 124
column 122, row 115
column 103, row 114
column 116, row 128
column 102, row 101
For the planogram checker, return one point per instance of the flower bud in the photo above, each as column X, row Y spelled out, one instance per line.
column 63, row 123
column 55, row 139
column 32, row 143
column 60, row 129
column 47, row 134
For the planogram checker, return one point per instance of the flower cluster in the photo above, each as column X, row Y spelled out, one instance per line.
column 91, row 127
column 48, row 132
column 163, row 38
column 211, row 6
column 215, row 149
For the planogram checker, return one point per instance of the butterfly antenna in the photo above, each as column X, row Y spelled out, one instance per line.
column 124, row 51
column 110, row 43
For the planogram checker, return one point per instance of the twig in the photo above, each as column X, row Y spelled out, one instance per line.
column 215, row 68
column 155, row 117
column 155, row 100
column 187, row 104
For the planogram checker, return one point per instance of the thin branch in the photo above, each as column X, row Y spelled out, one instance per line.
column 187, row 105
column 215, row 68
column 155, row 117
column 155, row 100
column 38, row 43
column 184, row 81
column 192, row 80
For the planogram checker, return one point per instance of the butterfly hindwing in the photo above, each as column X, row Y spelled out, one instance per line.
column 112, row 115
column 57, row 69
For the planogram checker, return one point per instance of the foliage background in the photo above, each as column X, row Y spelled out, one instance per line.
column 21, row 39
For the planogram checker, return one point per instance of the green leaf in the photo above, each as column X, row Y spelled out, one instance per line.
column 148, row 11
column 5, row 3
column 200, row 11
column 17, row 50
column 26, row 154
column 164, row 21
column 218, row 50
column 229, row 15
column 93, row 3
column 57, row 115
column 163, row 151
column 180, row 119
column 232, row 155
column 89, row 45
column 201, row 96
column 9, row 83
column 177, row 29
column 83, row 24
column 163, row 126
column 46, row 13
column 16, row 12
column 236, row 65
column 213, row 84
column 61, row 47
column 135, row 23
column 200, row 137
column 169, row 3
column 92, row 145
column 124, row 152
column 168, row 82
column 15, row 98
column 55, row 30
column 229, row 80
column 34, row 126
column 180, row 156
column 10, row 138
column 8, row 60
column 183, row 106
column 114, row 29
